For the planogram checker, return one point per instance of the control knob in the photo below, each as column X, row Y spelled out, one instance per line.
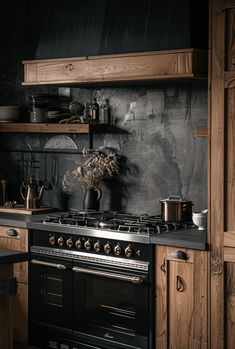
column 107, row 248
column 97, row 246
column 69, row 242
column 78, row 244
column 117, row 249
column 52, row 240
column 128, row 251
column 60, row 241
column 87, row 245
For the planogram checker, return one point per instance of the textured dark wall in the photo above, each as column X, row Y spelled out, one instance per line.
column 88, row 27
column 160, row 153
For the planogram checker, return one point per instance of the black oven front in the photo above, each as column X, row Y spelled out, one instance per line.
column 79, row 299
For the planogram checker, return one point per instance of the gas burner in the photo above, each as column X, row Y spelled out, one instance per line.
column 116, row 221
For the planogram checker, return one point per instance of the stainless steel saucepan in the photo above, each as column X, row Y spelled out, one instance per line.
column 175, row 209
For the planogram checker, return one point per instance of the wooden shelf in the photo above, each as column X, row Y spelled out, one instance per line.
column 54, row 128
column 202, row 131
column 142, row 66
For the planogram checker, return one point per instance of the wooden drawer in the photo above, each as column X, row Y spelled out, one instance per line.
column 18, row 242
column 20, row 313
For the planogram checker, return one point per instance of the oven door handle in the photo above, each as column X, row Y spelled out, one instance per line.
column 48, row 264
column 131, row 278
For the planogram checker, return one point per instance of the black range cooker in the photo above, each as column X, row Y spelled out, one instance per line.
column 91, row 280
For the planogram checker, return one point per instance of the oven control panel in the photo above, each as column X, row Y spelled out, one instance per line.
column 108, row 247
column 102, row 246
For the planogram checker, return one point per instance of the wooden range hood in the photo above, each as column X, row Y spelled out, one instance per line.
column 143, row 66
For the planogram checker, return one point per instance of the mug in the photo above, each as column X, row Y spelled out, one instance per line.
column 38, row 115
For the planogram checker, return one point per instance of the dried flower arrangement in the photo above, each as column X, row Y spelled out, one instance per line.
column 100, row 164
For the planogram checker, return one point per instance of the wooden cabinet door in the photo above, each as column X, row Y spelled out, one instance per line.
column 20, row 313
column 181, row 298
column 19, row 241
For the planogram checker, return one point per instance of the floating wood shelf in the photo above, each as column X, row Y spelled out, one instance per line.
column 143, row 66
column 202, row 131
column 54, row 128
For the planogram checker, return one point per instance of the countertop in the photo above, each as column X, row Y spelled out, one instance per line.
column 186, row 238
column 8, row 256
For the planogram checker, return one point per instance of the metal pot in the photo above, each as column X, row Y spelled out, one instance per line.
column 175, row 209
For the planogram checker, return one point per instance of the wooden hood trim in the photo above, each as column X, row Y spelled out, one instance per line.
column 143, row 66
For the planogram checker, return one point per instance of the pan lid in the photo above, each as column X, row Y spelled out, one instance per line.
column 176, row 199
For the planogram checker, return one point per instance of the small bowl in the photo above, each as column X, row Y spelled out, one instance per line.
column 200, row 219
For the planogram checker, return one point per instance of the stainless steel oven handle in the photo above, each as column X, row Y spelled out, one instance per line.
column 134, row 279
column 48, row 264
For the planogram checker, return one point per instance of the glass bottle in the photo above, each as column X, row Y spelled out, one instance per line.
column 95, row 111
column 105, row 112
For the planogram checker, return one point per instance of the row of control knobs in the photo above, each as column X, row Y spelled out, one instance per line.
column 88, row 245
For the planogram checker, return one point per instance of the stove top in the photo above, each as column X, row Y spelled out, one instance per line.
column 115, row 221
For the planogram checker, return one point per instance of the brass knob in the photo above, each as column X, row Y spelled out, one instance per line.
column 60, row 241
column 128, row 251
column 78, row 244
column 107, row 248
column 117, row 249
column 69, row 243
column 87, row 245
column 97, row 246
column 52, row 240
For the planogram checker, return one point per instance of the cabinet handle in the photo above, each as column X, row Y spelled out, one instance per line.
column 70, row 66
column 180, row 255
column 12, row 232
column 163, row 266
column 180, row 284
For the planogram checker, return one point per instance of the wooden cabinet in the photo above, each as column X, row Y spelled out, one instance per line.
column 229, row 288
column 169, row 64
column 17, row 239
column 181, row 298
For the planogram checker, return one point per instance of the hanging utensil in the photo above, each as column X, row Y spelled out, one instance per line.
column 47, row 184
column 54, row 170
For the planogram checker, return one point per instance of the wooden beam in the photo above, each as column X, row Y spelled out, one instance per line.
column 147, row 66
column 216, row 198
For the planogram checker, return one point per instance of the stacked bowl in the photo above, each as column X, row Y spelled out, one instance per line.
column 9, row 113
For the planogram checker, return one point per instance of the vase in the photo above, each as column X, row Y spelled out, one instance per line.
column 91, row 200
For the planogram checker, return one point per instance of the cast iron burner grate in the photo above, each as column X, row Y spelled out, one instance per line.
column 116, row 221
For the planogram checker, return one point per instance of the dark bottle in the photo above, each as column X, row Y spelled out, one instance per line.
column 105, row 112
column 95, row 111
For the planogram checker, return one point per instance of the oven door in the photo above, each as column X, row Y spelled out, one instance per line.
column 111, row 306
column 50, row 295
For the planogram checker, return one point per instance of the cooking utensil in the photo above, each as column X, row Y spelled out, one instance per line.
column 47, row 184
column 175, row 209
column 31, row 194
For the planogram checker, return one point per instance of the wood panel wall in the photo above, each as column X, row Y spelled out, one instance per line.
column 222, row 173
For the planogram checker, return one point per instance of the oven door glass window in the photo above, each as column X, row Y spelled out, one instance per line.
column 111, row 308
column 50, row 296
